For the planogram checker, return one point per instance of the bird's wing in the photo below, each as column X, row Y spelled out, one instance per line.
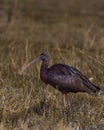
column 66, row 83
column 60, row 80
column 69, row 77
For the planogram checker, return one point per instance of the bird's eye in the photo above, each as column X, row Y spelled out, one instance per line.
column 42, row 54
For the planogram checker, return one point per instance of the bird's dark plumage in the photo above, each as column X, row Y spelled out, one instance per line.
column 68, row 79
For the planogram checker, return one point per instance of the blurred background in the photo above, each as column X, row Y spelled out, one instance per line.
column 58, row 20
column 49, row 10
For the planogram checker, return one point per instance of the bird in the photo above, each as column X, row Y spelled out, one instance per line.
column 62, row 77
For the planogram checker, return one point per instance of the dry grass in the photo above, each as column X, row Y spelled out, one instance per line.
column 76, row 41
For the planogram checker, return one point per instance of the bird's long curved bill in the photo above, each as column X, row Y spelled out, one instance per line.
column 28, row 65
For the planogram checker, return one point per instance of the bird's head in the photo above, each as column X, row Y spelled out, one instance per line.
column 43, row 56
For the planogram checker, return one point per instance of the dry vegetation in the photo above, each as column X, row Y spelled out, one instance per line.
column 75, row 40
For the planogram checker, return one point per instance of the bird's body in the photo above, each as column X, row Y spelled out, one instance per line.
column 63, row 77
column 66, row 79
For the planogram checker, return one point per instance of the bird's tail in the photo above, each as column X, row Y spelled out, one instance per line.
column 90, row 87
column 93, row 88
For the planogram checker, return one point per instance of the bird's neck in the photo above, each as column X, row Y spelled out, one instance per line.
column 44, row 71
column 44, row 66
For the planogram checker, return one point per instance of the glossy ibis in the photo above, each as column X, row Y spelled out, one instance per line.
column 63, row 77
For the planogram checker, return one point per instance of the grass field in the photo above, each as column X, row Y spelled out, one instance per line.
column 75, row 40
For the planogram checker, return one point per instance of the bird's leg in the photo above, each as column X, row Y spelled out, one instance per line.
column 64, row 100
